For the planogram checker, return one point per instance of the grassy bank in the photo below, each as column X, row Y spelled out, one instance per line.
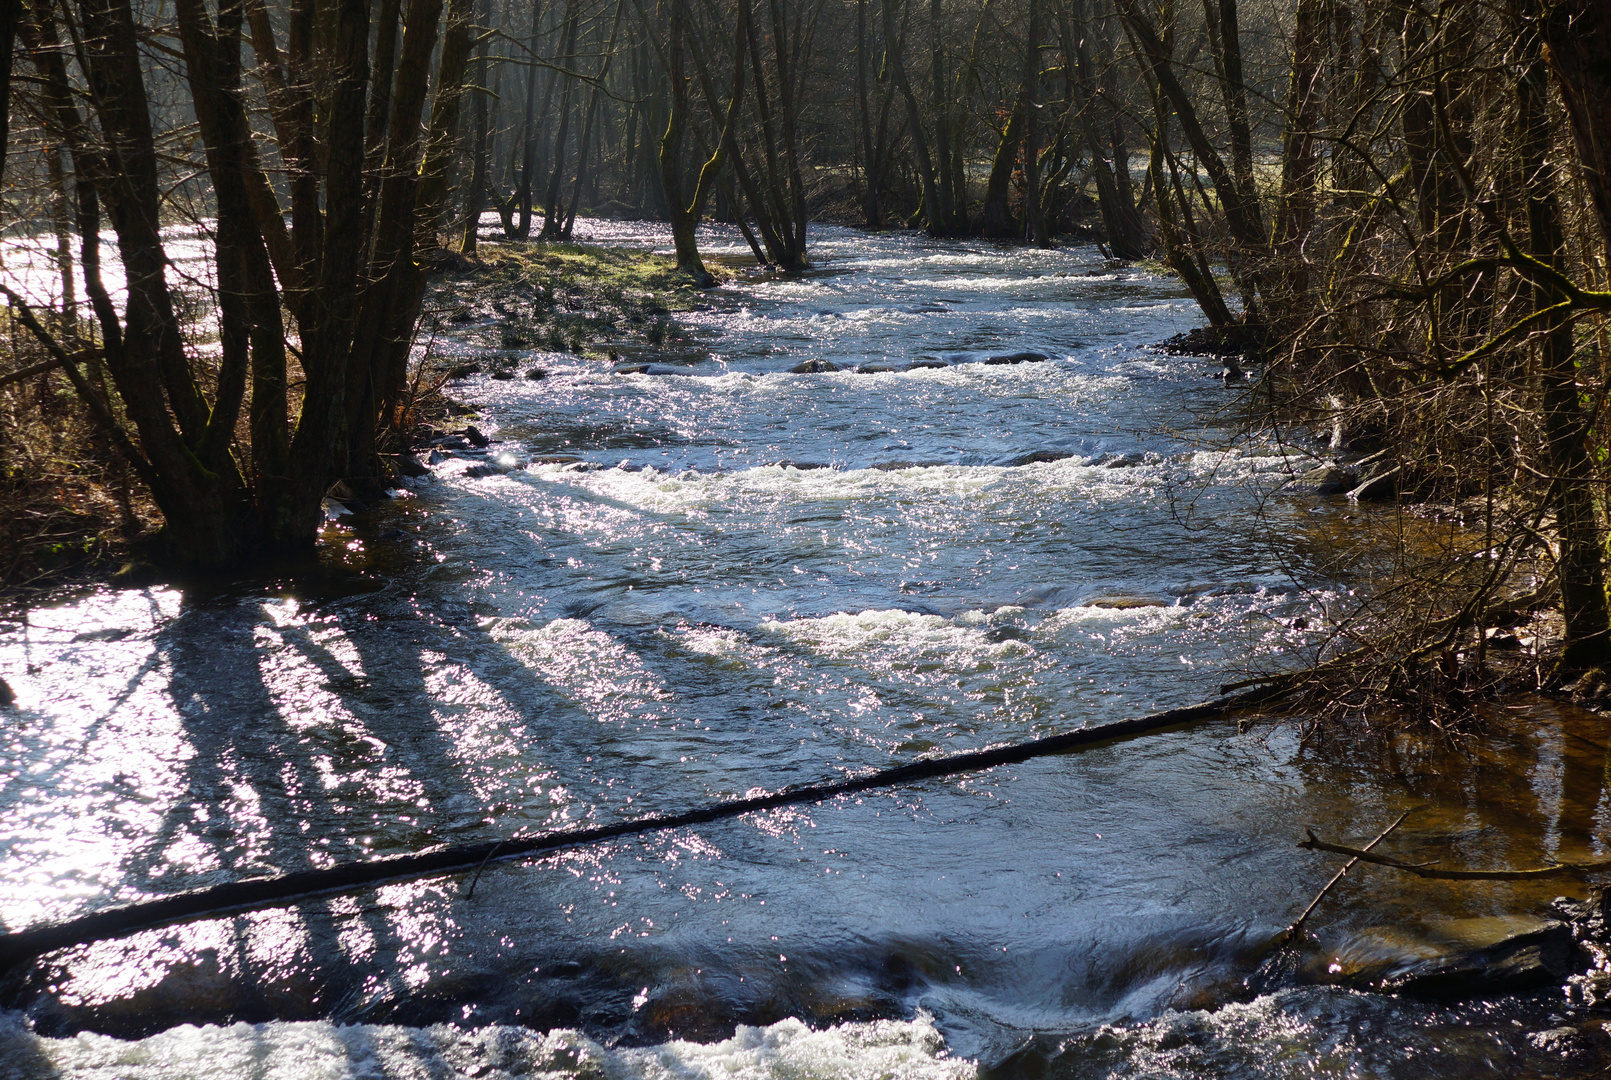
column 522, row 298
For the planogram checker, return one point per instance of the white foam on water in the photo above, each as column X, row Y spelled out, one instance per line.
column 786, row 1050
column 908, row 632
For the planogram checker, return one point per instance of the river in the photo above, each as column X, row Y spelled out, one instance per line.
column 656, row 591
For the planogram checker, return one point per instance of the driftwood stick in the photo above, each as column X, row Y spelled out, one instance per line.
column 237, row 897
column 1313, row 843
column 1292, row 931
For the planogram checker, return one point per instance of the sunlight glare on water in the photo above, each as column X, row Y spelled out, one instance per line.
column 656, row 591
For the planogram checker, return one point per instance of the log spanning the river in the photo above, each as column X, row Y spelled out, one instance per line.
column 239, row 897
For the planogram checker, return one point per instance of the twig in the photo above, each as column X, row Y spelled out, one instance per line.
column 476, row 880
column 1314, row 843
column 1292, row 931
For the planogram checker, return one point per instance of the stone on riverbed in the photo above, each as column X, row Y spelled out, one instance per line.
column 409, row 465
column 650, row 369
column 1017, row 358
column 902, row 466
column 878, row 369
column 1378, row 487
column 1035, row 456
column 1325, row 480
column 1124, row 603
column 1459, row 959
column 917, row 365
column 813, row 367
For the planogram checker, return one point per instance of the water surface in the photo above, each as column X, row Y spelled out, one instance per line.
column 673, row 589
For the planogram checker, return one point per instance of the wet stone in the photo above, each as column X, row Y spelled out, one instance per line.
column 105, row 634
column 1377, row 488
column 409, row 465
column 1565, row 1041
column 813, row 367
column 1462, row 959
column 1325, row 480
column 1035, row 456
column 1017, row 358
column 902, row 466
column 1124, row 603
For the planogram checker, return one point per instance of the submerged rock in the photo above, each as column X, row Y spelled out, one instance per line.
column 1017, row 358
column 917, row 365
column 878, row 369
column 1038, row 455
column 650, row 369
column 1459, row 959
column 7, row 695
column 1124, row 603
column 1522, row 960
column 901, row 466
column 813, row 367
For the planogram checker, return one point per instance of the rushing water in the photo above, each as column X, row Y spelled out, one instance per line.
column 671, row 589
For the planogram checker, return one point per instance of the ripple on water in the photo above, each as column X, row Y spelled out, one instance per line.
column 788, row 578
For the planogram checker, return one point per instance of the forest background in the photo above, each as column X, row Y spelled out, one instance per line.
column 1395, row 213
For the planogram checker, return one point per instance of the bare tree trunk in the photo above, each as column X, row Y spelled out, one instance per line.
column 872, row 176
column 1566, row 425
column 1578, row 34
column 475, row 196
column 1300, row 163
column 933, row 217
column 551, row 220
column 996, row 220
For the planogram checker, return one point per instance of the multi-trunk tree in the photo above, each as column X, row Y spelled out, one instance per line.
column 240, row 424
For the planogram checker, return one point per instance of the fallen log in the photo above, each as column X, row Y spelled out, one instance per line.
column 255, row 894
column 1314, row 843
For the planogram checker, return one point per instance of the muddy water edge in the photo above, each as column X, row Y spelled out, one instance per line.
column 683, row 573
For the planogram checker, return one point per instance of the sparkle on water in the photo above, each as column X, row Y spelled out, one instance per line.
column 673, row 589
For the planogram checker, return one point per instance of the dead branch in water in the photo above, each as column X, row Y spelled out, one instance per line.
column 1314, row 843
column 1297, row 925
column 239, row 897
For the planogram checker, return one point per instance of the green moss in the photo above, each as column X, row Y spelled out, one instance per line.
column 574, row 298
